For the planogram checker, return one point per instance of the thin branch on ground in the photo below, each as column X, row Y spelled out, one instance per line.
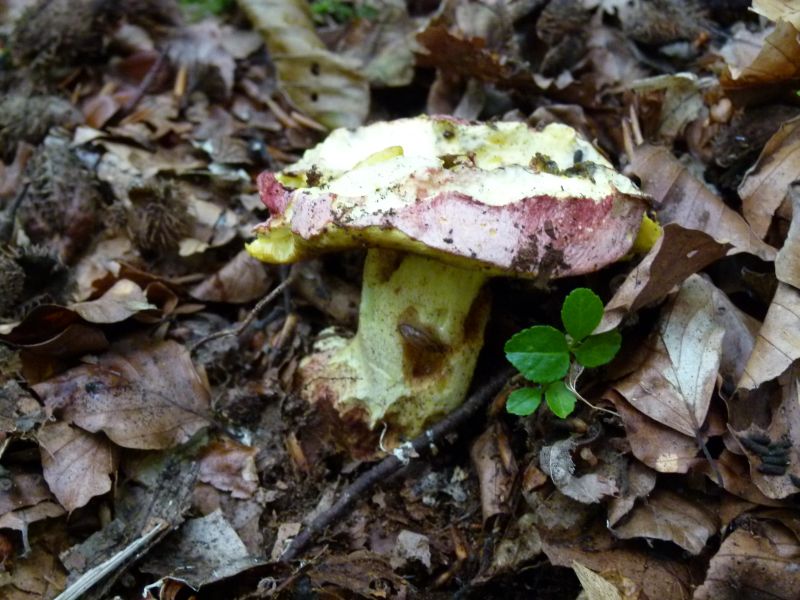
column 394, row 462
column 241, row 327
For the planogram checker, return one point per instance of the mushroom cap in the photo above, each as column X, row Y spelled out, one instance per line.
column 499, row 196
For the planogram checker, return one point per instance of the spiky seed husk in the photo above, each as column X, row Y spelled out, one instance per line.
column 61, row 204
column 159, row 217
column 660, row 22
column 12, row 283
column 29, row 118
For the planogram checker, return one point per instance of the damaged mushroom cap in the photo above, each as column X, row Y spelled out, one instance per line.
column 501, row 196
column 442, row 205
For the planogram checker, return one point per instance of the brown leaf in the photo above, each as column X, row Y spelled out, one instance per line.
column 655, row 575
column 639, row 483
column 787, row 263
column 656, row 445
column 678, row 253
column 682, row 198
column 778, row 342
column 759, row 561
column 26, row 489
column 765, row 185
column 123, row 300
column 496, row 481
column 230, row 467
column 665, row 515
column 675, row 383
column 39, row 575
column 77, row 465
column 22, row 518
column 199, row 49
column 362, row 573
column 736, row 478
column 556, row 461
column 777, row 62
column 242, row 280
column 142, row 394
column 775, row 10
column 202, row 551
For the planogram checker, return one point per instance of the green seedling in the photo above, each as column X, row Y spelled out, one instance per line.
column 543, row 354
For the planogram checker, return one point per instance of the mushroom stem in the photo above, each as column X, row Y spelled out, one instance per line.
column 420, row 330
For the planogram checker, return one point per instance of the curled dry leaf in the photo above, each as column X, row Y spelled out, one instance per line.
column 654, row 575
column 202, row 551
column 736, row 478
column 777, row 344
column 241, row 280
column 682, row 198
column 778, row 62
column 598, row 587
column 145, row 395
column 230, row 467
column 77, row 465
column 757, row 561
column 556, row 461
column 656, row 445
column 776, row 10
column 325, row 86
column 124, row 299
column 640, row 481
column 787, row 263
column 675, row 383
column 665, row 515
column 765, row 185
column 496, row 476
column 678, row 253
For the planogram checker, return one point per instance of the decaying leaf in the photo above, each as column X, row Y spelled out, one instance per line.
column 243, row 279
column 325, row 86
column 596, row 586
column 202, row 551
column 124, row 299
column 758, row 561
column 678, row 253
column 230, row 467
column 141, row 395
column 676, row 381
column 496, row 476
column 767, row 182
column 778, row 342
column 777, row 62
column 77, row 465
column 682, row 198
column 673, row 517
column 655, row 575
column 776, row 10
column 639, row 482
column 556, row 461
column 787, row 263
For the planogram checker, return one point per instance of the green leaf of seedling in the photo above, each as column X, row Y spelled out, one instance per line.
column 560, row 399
column 581, row 312
column 540, row 353
column 524, row 401
column 598, row 349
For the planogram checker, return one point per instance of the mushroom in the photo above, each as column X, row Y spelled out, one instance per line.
column 442, row 205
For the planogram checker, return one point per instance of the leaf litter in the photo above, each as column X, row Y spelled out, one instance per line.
column 140, row 454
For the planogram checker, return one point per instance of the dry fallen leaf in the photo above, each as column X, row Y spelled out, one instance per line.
column 639, row 482
column 145, row 395
column 327, row 87
column 778, row 62
column 656, row 445
column 673, row 517
column 682, row 198
column 787, row 263
column 602, row 482
column 77, row 465
column 229, row 467
column 124, row 299
column 766, row 183
column 756, row 561
column 676, row 381
column 778, row 342
column 241, row 280
column 678, row 253
column 775, row 10
column 496, row 481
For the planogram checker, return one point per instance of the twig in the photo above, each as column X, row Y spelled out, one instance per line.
column 239, row 329
column 394, row 462
column 92, row 576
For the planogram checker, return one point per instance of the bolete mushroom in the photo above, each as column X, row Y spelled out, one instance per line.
column 442, row 205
